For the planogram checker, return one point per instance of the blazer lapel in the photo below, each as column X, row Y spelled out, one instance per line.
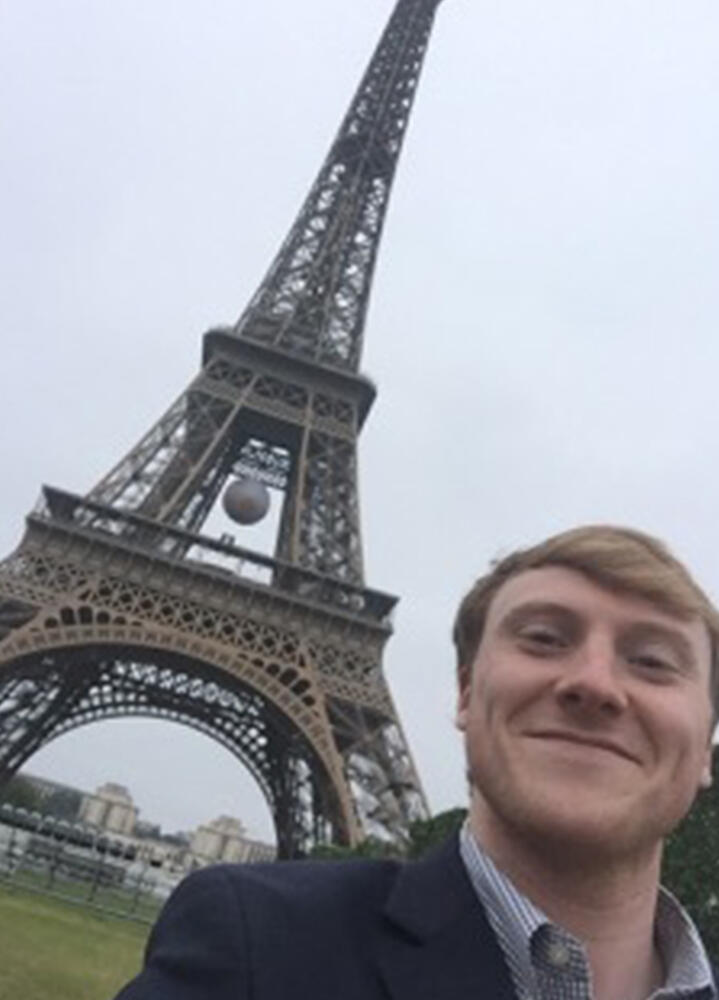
column 438, row 944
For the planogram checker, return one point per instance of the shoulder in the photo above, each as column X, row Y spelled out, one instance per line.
column 224, row 927
column 309, row 886
column 322, row 917
column 303, row 928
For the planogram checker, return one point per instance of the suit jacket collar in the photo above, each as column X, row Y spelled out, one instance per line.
column 439, row 943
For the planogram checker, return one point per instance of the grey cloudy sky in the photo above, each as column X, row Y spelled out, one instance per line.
column 543, row 327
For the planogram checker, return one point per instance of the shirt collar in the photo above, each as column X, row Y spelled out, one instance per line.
column 515, row 920
column 685, row 959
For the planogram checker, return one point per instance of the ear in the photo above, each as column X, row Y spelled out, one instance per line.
column 705, row 781
column 464, row 688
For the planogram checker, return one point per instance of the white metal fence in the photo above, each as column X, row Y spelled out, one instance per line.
column 79, row 864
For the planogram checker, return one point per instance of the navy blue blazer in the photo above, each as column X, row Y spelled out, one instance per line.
column 321, row 930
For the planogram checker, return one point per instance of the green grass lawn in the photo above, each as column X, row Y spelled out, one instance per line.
column 51, row 950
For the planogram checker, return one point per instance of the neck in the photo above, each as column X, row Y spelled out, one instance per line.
column 608, row 904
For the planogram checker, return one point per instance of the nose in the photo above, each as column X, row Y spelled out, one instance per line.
column 591, row 682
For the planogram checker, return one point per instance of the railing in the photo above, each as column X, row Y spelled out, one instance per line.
column 204, row 554
column 78, row 864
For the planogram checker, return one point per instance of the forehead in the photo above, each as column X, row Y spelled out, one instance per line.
column 576, row 592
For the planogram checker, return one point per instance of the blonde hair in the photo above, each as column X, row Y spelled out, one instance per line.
column 619, row 559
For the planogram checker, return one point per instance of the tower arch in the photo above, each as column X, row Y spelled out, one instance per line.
column 49, row 693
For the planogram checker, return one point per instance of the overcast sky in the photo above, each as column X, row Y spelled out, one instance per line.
column 543, row 327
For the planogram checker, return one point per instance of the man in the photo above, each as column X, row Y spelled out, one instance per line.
column 588, row 676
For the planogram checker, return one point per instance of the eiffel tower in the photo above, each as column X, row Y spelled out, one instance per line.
column 115, row 604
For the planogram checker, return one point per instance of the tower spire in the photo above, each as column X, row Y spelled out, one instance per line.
column 313, row 300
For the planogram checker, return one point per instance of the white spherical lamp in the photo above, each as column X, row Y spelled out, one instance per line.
column 246, row 501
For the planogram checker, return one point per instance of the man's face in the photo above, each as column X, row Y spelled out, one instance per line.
column 586, row 715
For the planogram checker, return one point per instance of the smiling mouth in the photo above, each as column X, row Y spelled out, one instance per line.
column 578, row 739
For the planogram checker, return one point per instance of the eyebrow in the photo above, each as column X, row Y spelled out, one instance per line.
column 541, row 608
column 531, row 609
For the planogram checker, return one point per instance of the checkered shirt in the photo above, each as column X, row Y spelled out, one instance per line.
column 548, row 963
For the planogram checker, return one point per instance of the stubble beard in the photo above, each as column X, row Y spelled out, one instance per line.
column 509, row 817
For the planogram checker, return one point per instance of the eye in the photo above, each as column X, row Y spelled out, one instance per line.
column 654, row 663
column 542, row 638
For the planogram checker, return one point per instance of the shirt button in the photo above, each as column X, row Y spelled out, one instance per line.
column 558, row 954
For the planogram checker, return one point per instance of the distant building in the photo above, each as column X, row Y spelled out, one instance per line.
column 225, row 839
column 145, row 829
column 111, row 808
column 45, row 787
column 54, row 797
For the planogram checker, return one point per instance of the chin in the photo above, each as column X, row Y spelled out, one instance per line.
column 567, row 819
column 595, row 830
column 577, row 822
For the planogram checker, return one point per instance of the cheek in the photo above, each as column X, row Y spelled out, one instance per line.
column 496, row 690
column 507, row 692
column 480, row 706
column 689, row 733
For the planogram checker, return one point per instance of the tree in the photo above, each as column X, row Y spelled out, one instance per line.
column 63, row 803
column 21, row 793
column 691, row 863
column 371, row 847
column 424, row 834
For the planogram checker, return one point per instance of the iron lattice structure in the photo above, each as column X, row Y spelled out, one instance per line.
column 115, row 604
